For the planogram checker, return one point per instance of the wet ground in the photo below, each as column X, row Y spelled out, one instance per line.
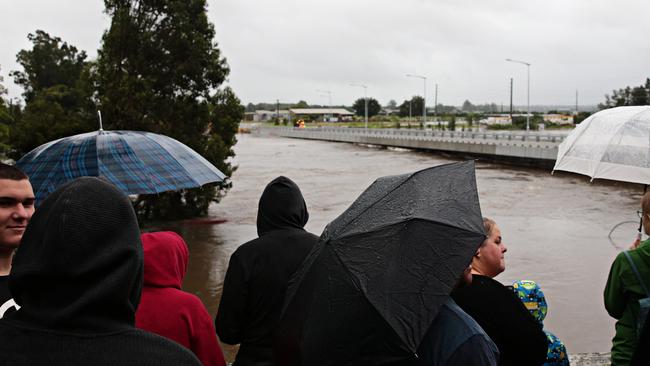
column 555, row 226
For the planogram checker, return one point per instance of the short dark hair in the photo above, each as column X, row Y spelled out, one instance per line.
column 11, row 172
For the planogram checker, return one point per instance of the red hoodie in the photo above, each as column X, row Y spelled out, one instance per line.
column 167, row 310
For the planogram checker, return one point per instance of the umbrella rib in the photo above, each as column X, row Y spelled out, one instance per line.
column 353, row 279
column 410, row 176
column 568, row 148
column 614, row 135
column 378, row 228
column 178, row 162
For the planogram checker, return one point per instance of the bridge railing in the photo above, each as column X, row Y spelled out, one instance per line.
column 538, row 136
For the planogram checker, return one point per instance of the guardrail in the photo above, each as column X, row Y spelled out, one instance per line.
column 536, row 136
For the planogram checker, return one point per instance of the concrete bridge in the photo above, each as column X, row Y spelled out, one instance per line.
column 536, row 148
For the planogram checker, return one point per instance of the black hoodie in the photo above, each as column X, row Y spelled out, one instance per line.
column 258, row 273
column 77, row 276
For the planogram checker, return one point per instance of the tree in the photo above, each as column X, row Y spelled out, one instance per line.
column 452, row 123
column 50, row 62
column 467, row 106
column 413, row 107
column 392, row 104
column 158, row 70
column 5, row 121
column 301, row 104
column 628, row 96
column 359, row 107
column 57, row 91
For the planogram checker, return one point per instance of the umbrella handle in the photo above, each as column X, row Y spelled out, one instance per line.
column 645, row 189
column 99, row 114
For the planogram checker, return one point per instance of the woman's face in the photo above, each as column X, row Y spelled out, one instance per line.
column 489, row 260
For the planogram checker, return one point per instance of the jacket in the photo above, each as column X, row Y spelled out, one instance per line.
column 455, row 339
column 77, row 277
column 167, row 310
column 519, row 337
column 258, row 273
column 622, row 293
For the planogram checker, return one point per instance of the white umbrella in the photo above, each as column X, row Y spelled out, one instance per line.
column 610, row 144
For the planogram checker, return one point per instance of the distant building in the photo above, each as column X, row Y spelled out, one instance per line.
column 265, row 116
column 558, row 119
column 321, row 114
column 389, row 111
column 499, row 119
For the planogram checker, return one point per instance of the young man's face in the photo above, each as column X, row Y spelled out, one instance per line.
column 16, row 208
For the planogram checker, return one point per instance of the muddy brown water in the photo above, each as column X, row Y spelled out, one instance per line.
column 555, row 226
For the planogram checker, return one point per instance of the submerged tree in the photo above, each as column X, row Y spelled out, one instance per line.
column 159, row 69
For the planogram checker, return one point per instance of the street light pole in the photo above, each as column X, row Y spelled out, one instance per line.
column 365, row 98
column 424, row 101
column 528, row 91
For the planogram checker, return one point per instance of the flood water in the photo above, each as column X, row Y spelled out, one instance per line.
column 555, row 226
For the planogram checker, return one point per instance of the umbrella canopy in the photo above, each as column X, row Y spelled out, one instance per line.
column 370, row 289
column 135, row 162
column 610, row 144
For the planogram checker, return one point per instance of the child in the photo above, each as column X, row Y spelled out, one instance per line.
column 533, row 298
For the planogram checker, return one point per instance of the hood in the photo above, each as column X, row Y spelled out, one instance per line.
column 281, row 207
column 79, row 266
column 165, row 259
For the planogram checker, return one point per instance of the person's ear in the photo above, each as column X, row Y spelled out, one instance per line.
column 478, row 253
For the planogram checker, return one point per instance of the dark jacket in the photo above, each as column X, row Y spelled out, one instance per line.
column 504, row 318
column 259, row 270
column 77, row 276
column 455, row 339
column 167, row 310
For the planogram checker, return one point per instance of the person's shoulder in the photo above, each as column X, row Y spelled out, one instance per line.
column 161, row 351
column 481, row 284
column 461, row 319
column 247, row 248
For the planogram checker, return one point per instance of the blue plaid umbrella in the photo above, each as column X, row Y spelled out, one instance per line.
column 135, row 162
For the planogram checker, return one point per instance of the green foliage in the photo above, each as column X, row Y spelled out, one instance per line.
column 58, row 94
column 301, row 104
column 628, row 96
column 157, row 71
column 581, row 116
column 50, row 62
column 359, row 107
column 452, row 123
column 519, row 122
column 415, row 105
column 5, row 121
column 471, row 117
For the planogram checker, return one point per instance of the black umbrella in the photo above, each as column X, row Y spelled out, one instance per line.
column 370, row 289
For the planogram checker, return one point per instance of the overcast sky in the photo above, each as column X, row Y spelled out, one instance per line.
column 287, row 50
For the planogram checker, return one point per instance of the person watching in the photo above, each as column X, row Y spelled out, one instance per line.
column 624, row 290
column 77, row 278
column 497, row 310
column 259, row 272
column 455, row 339
column 16, row 209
